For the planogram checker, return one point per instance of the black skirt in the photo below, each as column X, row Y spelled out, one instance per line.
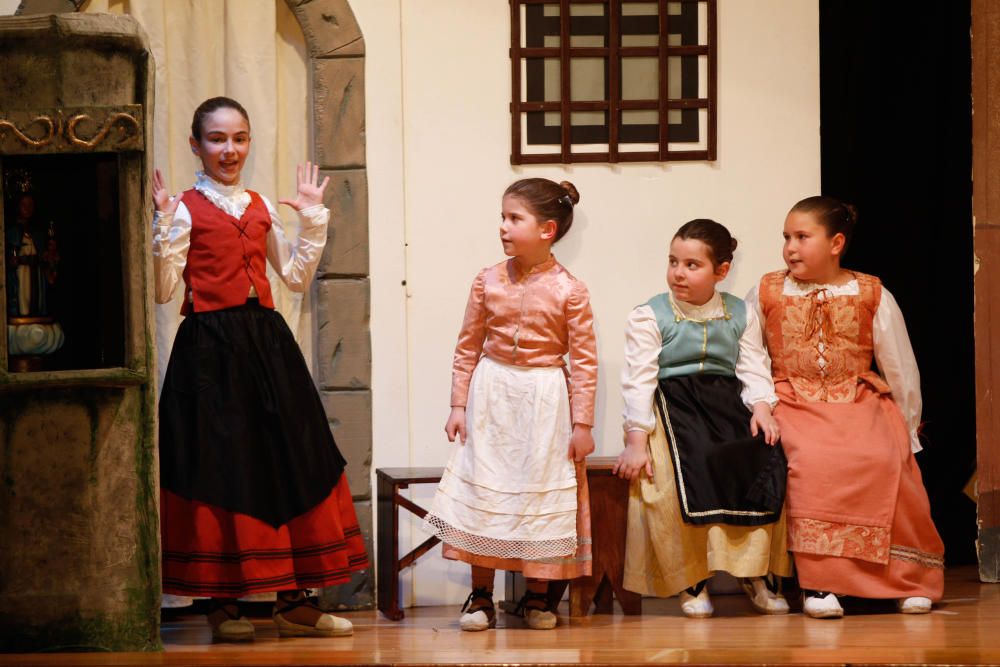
column 242, row 426
column 723, row 474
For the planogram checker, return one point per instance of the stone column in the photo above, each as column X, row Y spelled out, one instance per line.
column 336, row 61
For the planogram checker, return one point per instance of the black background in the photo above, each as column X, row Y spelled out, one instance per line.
column 896, row 120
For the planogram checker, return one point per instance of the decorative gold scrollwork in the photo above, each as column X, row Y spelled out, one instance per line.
column 52, row 127
column 127, row 125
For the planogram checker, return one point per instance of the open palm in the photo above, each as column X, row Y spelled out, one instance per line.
column 310, row 190
column 164, row 203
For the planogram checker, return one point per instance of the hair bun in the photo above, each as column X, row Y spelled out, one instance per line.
column 574, row 194
column 733, row 243
column 852, row 215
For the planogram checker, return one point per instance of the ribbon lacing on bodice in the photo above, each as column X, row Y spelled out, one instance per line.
column 818, row 325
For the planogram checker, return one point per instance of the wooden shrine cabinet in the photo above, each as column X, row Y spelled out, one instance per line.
column 79, row 561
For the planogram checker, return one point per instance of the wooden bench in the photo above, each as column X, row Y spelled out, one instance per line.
column 608, row 509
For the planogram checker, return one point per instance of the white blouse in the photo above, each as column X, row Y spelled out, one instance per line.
column 893, row 352
column 643, row 344
column 294, row 263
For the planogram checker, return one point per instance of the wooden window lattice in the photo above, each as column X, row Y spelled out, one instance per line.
column 548, row 46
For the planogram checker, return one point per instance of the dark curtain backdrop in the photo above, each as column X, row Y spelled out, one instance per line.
column 897, row 142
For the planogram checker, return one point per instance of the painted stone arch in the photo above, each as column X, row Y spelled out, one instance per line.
column 335, row 59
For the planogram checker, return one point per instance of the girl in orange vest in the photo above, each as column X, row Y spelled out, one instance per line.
column 253, row 497
column 859, row 521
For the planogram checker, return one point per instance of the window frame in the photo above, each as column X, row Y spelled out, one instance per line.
column 613, row 105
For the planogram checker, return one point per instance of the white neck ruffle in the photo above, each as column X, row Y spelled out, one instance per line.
column 230, row 199
column 793, row 287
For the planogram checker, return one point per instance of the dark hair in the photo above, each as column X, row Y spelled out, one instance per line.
column 835, row 216
column 547, row 200
column 721, row 244
column 213, row 104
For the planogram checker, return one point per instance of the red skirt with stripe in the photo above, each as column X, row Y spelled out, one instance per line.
column 212, row 552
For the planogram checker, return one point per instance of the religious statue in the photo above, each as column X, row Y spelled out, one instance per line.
column 32, row 260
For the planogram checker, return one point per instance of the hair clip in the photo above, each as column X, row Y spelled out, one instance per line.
column 565, row 199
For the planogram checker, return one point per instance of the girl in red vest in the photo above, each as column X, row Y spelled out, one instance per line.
column 253, row 497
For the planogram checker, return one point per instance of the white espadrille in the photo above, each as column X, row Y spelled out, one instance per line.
column 822, row 606
column 227, row 624
column 762, row 597
column 326, row 625
column 914, row 605
column 697, row 606
column 478, row 612
column 535, row 617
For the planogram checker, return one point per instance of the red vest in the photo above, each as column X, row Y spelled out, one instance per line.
column 226, row 256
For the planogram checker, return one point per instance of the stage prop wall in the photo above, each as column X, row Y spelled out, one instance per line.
column 79, row 562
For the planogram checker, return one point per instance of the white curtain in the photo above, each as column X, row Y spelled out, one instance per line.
column 253, row 51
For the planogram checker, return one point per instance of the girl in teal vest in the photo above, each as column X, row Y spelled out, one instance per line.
column 701, row 447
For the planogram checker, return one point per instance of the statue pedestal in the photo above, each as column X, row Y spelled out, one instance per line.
column 29, row 339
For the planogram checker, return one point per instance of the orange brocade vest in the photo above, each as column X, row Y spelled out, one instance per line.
column 821, row 343
column 226, row 256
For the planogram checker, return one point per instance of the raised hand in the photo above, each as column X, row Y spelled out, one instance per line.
column 310, row 190
column 165, row 204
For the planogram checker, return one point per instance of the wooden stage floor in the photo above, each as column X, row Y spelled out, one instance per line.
column 964, row 629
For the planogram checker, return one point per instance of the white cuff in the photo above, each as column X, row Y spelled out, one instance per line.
column 633, row 425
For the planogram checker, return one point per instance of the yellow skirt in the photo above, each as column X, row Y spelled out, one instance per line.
column 664, row 555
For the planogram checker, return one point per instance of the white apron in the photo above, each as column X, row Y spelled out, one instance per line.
column 510, row 490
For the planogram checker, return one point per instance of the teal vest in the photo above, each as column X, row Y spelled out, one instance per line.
column 699, row 346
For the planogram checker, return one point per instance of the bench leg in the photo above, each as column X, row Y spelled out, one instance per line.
column 387, row 572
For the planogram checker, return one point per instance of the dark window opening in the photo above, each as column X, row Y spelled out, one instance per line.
column 63, row 262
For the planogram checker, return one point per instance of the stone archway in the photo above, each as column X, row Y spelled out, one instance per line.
column 336, row 52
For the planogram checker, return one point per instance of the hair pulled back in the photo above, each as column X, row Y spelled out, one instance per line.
column 214, row 104
column 547, row 200
column 835, row 216
column 721, row 244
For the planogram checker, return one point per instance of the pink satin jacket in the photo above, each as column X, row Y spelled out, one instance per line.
column 533, row 319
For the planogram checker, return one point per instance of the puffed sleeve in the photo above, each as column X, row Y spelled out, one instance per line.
column 753, row 366
column 752, row 300
column 296, row 263
column 642, row 365
column 470, row 342
column 582, row 354
column 894, row 356
column 171, row 240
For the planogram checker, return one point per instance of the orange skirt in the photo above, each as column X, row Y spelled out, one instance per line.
column 859, row 520
column 579, row 564
column 209, row 551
